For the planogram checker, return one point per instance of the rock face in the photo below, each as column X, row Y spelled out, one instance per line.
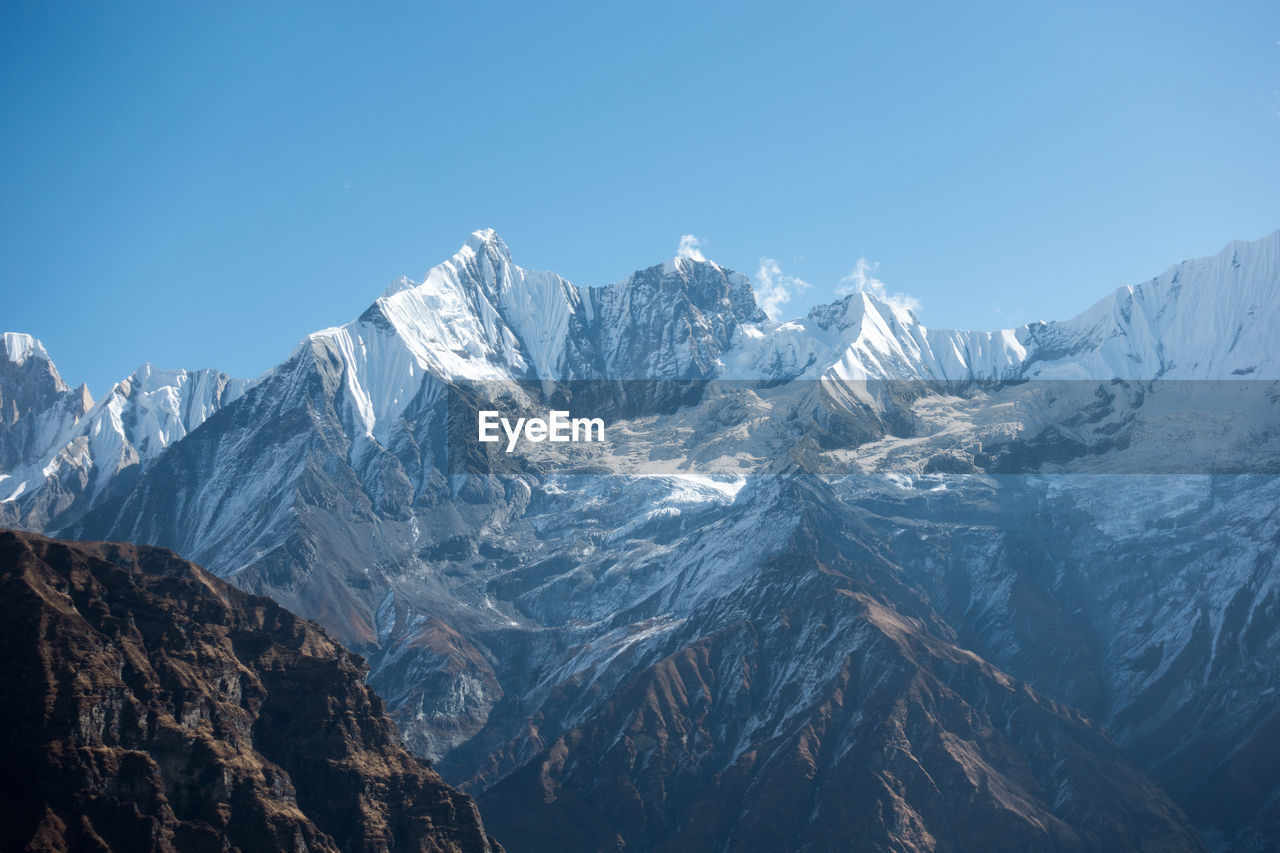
column 853, row 581
column 149, row 706
column 831, row 709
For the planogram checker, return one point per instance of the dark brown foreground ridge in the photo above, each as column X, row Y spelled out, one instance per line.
column 148, row 706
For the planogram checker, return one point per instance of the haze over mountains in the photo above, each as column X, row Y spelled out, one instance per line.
column 842, row 582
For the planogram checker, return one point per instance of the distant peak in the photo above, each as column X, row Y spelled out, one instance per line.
column 19, row 347
column 486, row 240
column 683, row 264
column 481, row 244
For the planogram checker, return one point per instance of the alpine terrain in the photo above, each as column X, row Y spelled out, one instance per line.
column 842, row 582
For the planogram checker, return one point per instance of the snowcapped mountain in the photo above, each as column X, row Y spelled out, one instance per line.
column 480, row 317
column 913, row 617
column 63, row 453
column 36, row 406
column 1212, row 318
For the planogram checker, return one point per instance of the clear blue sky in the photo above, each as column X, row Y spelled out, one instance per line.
column 203, row 184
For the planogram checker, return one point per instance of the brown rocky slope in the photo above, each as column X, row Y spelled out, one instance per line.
column 829, row 709
column 148, row 706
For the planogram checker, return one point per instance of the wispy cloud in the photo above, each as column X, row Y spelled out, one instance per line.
column 863, row 280
column 774, row 288
column 689, row 248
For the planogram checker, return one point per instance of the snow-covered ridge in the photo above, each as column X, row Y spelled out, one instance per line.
column 1211, row 318
column 479, row 310
column 82, row 446
column 453, row 324
column 154, row 408
column 480, row 316
column 479, row 306
column 862, row 337
column 19, row 347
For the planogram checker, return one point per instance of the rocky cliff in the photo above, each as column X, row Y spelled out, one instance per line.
column 149, row 706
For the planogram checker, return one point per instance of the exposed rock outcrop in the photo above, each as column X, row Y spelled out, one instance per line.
column 149, row 706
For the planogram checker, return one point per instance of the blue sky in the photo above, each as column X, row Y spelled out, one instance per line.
column 201, row 185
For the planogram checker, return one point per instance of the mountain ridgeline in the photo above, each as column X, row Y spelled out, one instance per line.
column 843, row 582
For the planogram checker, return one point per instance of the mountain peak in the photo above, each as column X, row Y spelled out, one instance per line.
column 487, row 241
column 19, row 347
column 683, row 264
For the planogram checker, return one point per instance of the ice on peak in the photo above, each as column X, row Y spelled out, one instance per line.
column 486, row 239
column 1209, row 317
column 148, row 379
column 890, row 309
column 91, row 443
column 475, row 316
column 18, row 347
column 479, row 315
column 147, row 373
column 482, row 243
column 683, row 265
column 840, row 314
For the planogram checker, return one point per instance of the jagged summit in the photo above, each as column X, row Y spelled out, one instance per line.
column 35, row 405
column 479, row 314
column 485, row 250
column 19, row 347
column 1214, row 317
column 485, row 240
column 683, row 264
column 60, row 451
column 1210, row 318
column 800, row 644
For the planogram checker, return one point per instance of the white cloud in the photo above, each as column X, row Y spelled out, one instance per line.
column 689, row 248
column 863, row 280
column 774, row 287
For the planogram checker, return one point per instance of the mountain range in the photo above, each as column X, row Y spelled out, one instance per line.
column 840, row 582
